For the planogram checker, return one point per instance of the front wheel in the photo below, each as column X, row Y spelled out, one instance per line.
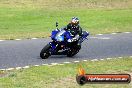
column 44, row 54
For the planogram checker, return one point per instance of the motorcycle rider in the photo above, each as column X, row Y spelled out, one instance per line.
column 75, row 30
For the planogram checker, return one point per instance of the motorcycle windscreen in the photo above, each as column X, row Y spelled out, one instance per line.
column 53, row 34
column 59, row 38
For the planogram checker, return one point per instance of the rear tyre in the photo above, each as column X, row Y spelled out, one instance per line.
column 73, row 51
column 44, row 54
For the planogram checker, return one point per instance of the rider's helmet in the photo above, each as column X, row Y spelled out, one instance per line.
column 74, row 21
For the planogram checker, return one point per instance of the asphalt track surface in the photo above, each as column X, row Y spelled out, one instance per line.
column 14, row 53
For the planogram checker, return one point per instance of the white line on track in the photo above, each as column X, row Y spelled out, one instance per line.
column 44, row 64
column 2, row 40
column 93, row 37
column 89, row 37
column 127, row 32
column 99, row 34
column 54, row 63
column 26, row 67
column 17, row 68
column 104, row 38
column 99, row 37
column 2, row 69
column 18, row 39
column 76, row 61
column 51, row 65
column 60, row 64
column 10, row 69
column 34, row 38
column 108, row 58
column 94, row 60
column 101, row 59
column 85, row 60
column 120, row 57
column 66, row 62
column 113, row 33
column 36, row 65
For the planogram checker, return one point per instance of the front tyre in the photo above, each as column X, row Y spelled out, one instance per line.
column 44, row 54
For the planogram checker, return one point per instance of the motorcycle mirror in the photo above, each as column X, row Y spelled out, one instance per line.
column 56, row 24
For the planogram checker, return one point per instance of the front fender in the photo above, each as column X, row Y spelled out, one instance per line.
column 53, row 45
column 53, row 34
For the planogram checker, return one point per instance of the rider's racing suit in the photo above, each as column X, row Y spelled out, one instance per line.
column 75, row 32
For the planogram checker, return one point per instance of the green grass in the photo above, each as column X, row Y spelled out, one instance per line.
column 64, row 76
column 36, row 18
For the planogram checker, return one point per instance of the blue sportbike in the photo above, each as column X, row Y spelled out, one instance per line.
column 63, row 43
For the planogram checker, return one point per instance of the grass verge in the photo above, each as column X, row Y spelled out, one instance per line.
column 64, row 76
column 36, row 18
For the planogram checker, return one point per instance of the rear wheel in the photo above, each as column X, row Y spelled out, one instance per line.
column 73, row 51
column 44, row 54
